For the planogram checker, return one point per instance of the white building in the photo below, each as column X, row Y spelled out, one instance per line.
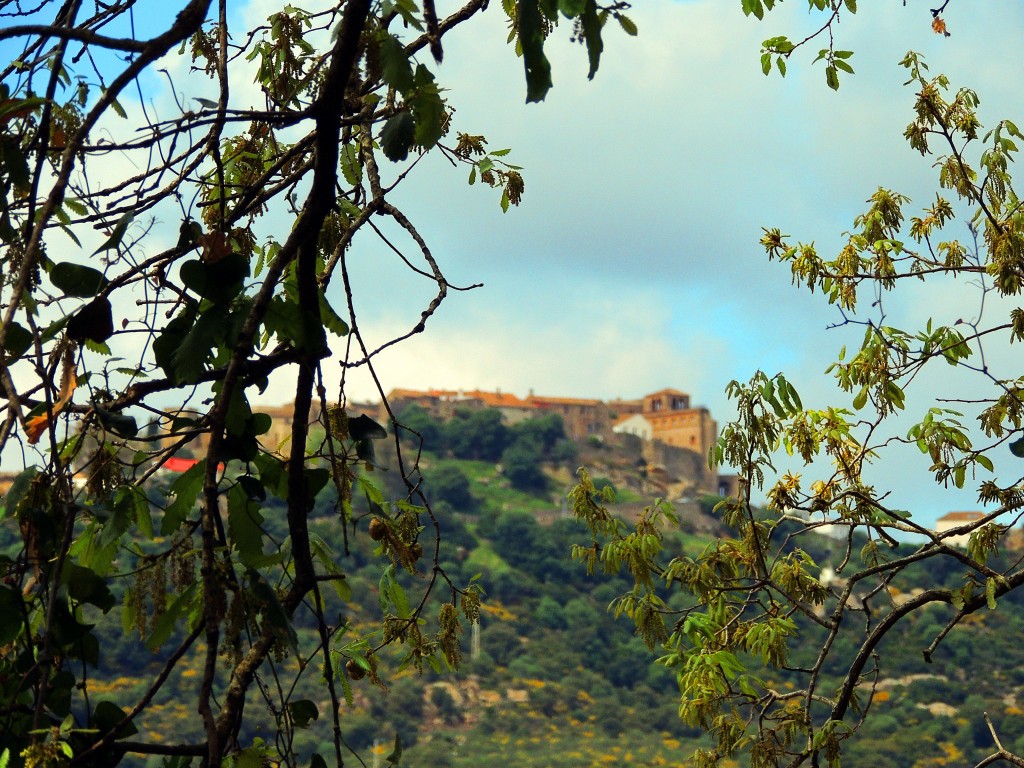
column 634, row 425
column 955, row 520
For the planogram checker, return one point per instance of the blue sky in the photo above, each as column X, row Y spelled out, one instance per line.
column 634, row 261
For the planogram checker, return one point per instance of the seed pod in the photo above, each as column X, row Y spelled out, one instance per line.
column 378, row 529
column 354, row 670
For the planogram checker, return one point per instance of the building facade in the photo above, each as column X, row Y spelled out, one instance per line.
column 674, row 422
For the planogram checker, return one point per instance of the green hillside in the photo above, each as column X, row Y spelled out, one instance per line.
column 555, row 679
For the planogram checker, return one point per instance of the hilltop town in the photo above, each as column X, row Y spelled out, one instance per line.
column 663, row 427
column 665, row 431
column 662, row 432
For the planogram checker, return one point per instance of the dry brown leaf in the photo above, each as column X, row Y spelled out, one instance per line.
column 37, row 425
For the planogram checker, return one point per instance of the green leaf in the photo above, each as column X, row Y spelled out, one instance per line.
column 395, row 67
column 94, row 322
column 531, row 41
column 17, row 492
column 168, row 621
column 990, row 593
column 117, row 233
column 316, row 480
column 107, row 715
column 273, row 612
column 331, row 320
column 85, row 586
column 571, row 8
column 17, row 341
column 11, row 616
column 122, row 512
column 391, row 594
column 1017, row 448
column 193, row 352
column 118, row 109
column 143, row 516
column 592, row 32
column 77, row 280
column 220, row 281
column 118, row 423
column 362, row 427
column 627, row 24
column 15, row 161
column 293, row 324
column 427, row 109
column 351, row 167
column 396, row 753
column 831, row 77
column 260, row 423
column 186, row 489
column 959, row 475
column 189, row 233
column 303, row 712
column 167, row 344
column 861, row 399
column 272, row 474
column 245, row 524
column 397, row 136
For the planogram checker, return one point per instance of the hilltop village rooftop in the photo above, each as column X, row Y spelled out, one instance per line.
column 664, row 416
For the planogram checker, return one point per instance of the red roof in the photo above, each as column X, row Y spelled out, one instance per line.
column 174, row 464
column 542, row 401
column 497, row 399
column 961, row 517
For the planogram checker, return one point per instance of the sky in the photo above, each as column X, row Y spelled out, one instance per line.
column 633, row 263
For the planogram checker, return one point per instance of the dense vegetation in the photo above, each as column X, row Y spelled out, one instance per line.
column 170, row 237
column 555, row 669
column 267, row 584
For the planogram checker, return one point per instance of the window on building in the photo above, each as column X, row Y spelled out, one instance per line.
column 679, row 403
column 656, row 405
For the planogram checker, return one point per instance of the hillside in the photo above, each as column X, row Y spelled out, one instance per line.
column 549, row 665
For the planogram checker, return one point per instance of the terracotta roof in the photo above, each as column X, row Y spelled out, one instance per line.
column 962, row 517
column 491, row 399
column 618, row 403
column 394, row 394
column 541, row 401
column 505, row 400
column 498, row 399
column 276, row 411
